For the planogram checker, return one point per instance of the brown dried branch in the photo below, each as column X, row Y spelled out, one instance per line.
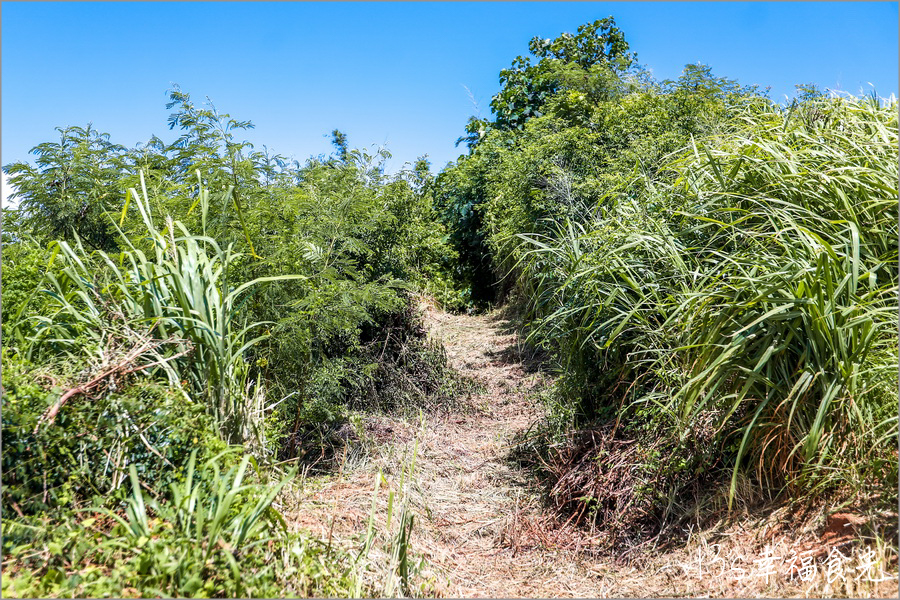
column 120, row 369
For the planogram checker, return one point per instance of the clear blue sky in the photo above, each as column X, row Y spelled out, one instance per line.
column 386, row 73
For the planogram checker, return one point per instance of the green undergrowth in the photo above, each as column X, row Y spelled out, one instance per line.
column 212, row 534
column 713, row 276
column 399, row 372
column 207, row 306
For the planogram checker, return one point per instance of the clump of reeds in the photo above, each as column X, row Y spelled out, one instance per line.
column 754, row 280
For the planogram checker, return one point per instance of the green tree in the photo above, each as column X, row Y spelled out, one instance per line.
column 339, row 141
column 70, row 189
column 597, row 52
column 702, row 99
column 208, row 145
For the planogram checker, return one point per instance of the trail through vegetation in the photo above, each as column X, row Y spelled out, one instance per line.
column 475, row 505
column 664, row 362
column 483, row 528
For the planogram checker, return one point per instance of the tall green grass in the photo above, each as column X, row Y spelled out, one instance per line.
column 177, row 291
column 750, row 288
column 794, row 318
column 216, row 533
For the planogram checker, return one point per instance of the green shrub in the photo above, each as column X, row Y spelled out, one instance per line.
column 212, row 535
column 24, row 263
column 84, row 453
column 758, row 287
column 690, row 251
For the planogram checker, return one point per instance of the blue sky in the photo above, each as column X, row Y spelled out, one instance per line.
column 386, row 73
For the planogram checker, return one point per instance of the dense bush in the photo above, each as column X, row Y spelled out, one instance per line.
column 207, row 295
column 23, row 264
column 84, row 453
column 695, row 257
column 338, row 244
column 757, row 295
column 211, row 535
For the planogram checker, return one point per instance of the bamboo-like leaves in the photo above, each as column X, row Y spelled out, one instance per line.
column 182, row 288
column 761, row 288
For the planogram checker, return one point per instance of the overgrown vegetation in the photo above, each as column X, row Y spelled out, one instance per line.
column 712, row 275
column 204, row 297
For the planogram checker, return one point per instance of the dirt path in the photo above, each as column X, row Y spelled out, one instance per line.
column 478, row 523
column 473, row 505
column 482, row 502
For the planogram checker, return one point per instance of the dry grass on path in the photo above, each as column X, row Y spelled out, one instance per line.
column 467, row 495
column 479, row 528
